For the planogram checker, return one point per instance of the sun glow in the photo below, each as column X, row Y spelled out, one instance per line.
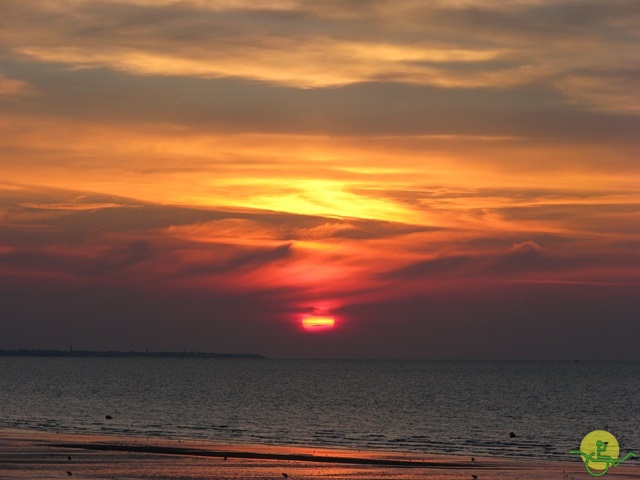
column 317, row 324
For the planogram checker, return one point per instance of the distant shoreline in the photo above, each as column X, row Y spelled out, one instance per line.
column 118, row 354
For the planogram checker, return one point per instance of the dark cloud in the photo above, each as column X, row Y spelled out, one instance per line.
column 529, row 257
column 130, row 254
column 595, row 217
column 36, row 261
column 436, row 267
column 233, row 105
column 546, row 21
column 545, row 197
column 522, row 258
column 486, row 320
column 362, row 229
column 246, row 261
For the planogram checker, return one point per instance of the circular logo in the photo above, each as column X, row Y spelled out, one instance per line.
column 599, row 451
column 599, row 444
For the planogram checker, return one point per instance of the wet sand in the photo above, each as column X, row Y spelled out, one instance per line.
column 39, row 455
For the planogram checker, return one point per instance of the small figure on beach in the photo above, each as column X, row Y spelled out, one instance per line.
column 284, row 475
column 69, row 472
column 512, row 435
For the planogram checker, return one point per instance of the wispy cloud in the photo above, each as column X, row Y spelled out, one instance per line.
column 69, row 206
column 14, row 87
column 463, row 45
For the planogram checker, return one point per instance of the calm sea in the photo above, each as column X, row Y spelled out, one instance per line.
column 464, row 408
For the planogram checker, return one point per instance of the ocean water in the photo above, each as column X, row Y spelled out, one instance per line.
column 459, row 408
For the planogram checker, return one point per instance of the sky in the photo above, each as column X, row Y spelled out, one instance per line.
column 452, row 179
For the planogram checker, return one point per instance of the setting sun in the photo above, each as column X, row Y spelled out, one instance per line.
column 318, row 324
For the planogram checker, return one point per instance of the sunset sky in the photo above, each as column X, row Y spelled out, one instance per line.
column 444, row 179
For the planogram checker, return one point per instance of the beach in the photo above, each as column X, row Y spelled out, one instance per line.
column 26, row 454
